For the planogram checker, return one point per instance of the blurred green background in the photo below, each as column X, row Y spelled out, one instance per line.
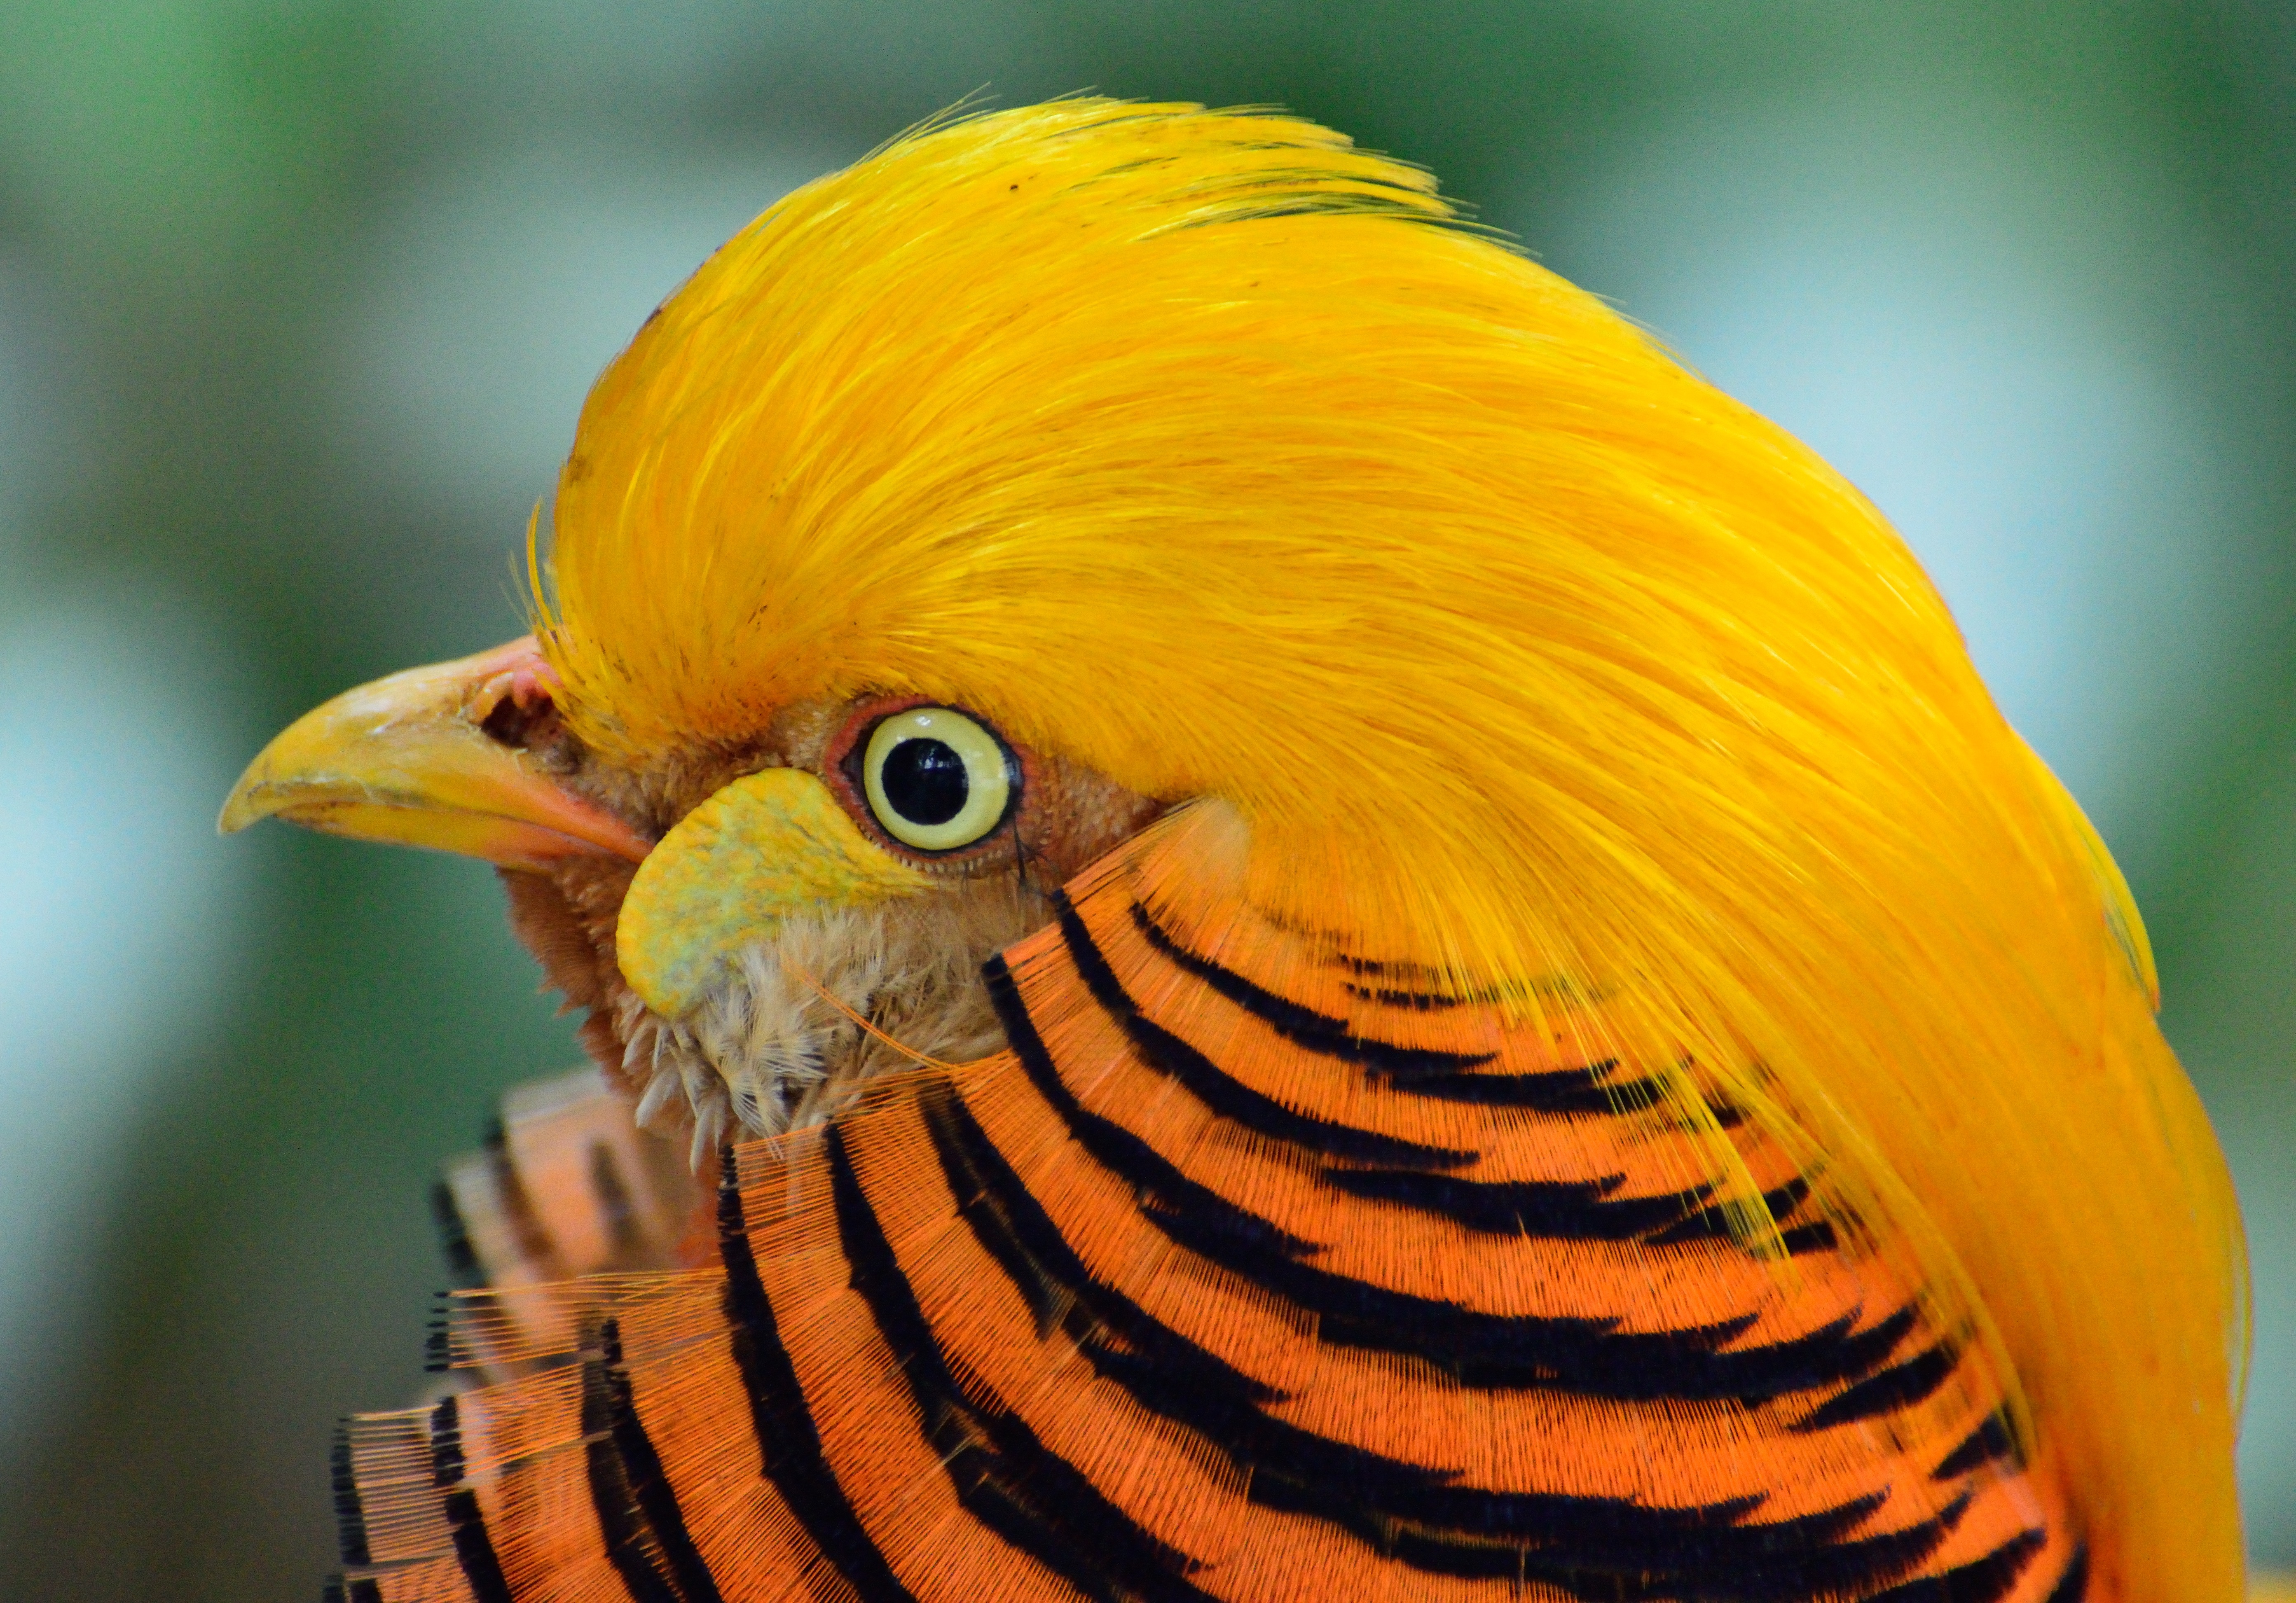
column 298, row 302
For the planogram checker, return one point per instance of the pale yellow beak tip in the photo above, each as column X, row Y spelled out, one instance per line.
column 246, row 803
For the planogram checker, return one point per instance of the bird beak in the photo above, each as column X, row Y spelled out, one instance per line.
column 409, row 759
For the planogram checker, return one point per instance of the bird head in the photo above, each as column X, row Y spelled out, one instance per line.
column 1072, row 466
column 1054, row 475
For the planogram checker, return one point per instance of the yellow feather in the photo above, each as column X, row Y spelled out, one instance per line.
column 1216, row 454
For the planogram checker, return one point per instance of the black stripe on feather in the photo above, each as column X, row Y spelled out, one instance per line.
column 1559, row 1092
column 1758, row 1574
column 1303, row 1026
column 1990, row 1442
column 638, row 1516
column 1712, row 1223
column 466, row 1523
column 789, row 1444
column 1985, row 1580
column 1002, row 1472
column 616, row 1211
column 2073, row 1586
column 454, row 1236
column 1803, row 1239
column 1552, row 1210
column 1899, row 1387
column 350, row 1517
column 474, row 1549
column 446, row 1463
column 518, row 1210
column 1417, row 1001
column 1161, row 1050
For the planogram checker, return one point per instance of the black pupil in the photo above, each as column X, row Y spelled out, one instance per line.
column 925, row 780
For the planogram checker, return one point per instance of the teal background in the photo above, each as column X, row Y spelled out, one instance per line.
column 297, row 303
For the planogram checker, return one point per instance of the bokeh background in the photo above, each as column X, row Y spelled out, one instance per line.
column 296, row 305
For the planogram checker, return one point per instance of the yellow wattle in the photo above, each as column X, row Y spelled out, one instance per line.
column 767, row 847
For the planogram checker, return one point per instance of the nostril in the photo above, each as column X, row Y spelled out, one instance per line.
column 522, row 716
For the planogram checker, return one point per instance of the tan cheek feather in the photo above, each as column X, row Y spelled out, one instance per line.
column 767, row 847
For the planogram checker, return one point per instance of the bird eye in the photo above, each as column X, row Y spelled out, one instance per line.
column 935, row 780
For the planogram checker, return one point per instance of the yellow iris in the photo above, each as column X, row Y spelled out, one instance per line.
column 935, row 780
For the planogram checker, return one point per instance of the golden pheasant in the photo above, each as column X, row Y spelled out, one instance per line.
column 1320, row 931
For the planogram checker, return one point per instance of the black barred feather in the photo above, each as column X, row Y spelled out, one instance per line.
column 1081, row 1207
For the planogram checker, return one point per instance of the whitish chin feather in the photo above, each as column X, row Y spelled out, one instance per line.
column 765, row 1049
